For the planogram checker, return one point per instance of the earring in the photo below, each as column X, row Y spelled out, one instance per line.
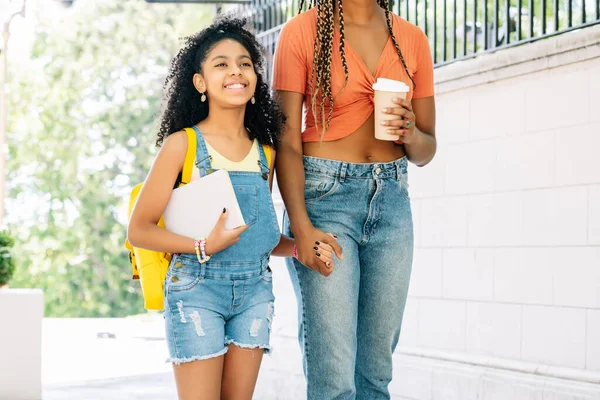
column 203, row 98
column 253, row 100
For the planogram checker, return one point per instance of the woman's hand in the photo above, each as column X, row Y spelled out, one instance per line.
column 325, row 251
column 315, row 249
column 404, row 128
column 221, row 238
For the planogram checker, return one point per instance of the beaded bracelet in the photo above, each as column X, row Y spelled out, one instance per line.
column 200, row 246
column 295, row 252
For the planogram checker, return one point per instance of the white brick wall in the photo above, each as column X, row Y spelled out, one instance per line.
column 470, row 167
column 552, row 94
column 486, row 118
column 468, row 274
column 555, row 217
column 525, row 161
column 429, row 182
column 494, row 329
column 577, row 160
column 594, row 216
column 442, row 324
column 595, row 94
column 426, row 277
column 444, row 222
column 523, row 276
column 495, row 219
column 554, row 336
column 410, row 324
column 449, row 127
column 507, row 222
column 576, row 273
column 454, row 386
column 593, row 340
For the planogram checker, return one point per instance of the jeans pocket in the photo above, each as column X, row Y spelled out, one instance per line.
column 183, row 274
column 247, row 196
column 318, row 186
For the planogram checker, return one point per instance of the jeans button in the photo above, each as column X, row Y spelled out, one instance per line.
column 377, row 171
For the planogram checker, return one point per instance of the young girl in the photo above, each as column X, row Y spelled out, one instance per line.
column 218, row 312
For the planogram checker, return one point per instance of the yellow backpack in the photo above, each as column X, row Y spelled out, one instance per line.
column 150, row 267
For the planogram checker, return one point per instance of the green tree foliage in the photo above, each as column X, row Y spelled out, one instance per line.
column 7, row 262
column 82, row 126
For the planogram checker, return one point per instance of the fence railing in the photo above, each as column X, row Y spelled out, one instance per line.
column 457, row 29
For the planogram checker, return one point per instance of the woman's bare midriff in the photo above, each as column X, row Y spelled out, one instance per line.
column 359, row 147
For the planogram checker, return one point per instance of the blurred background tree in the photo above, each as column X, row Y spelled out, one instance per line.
column 82, row 127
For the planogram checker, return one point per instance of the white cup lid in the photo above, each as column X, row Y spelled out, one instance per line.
column 390, row 85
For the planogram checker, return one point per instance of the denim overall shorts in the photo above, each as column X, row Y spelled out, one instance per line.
column 229, row 299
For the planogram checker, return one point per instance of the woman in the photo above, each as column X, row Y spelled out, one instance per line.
column 335, row 176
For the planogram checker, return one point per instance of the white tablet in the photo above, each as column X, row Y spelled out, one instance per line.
column 194, row 209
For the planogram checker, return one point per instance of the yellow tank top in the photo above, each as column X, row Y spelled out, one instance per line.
column 248, row 164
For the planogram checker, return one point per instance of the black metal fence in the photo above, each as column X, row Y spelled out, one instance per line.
column 457, row 29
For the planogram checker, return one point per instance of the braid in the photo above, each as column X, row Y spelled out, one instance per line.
column 321, row 72
column 342, row 49
column 311, row 4
column 388, row 16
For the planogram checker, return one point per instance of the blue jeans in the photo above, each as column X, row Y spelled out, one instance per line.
column 349, row 322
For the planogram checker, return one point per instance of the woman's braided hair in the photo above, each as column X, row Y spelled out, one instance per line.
column 321, row 71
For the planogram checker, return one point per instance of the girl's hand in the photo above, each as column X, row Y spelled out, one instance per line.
column 326, row 244
column 221, row 238
column 405, row 127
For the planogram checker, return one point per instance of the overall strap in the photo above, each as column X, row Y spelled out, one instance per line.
column 263, row 162
column 203, row 159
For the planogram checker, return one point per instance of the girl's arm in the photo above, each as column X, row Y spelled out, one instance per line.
column 143, row 231
column 285, row 248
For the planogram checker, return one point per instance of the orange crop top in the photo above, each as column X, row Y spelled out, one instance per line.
column 293, row 65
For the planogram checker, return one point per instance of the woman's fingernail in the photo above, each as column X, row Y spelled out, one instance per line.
column 335, row 236
column 317, row 242
column 384, row 123
column 395, row 99
column 318, row 254
column 223, row 210
column 316, row 248
column 328, row 264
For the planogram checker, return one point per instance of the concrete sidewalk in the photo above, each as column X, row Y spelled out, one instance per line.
column 124, row 358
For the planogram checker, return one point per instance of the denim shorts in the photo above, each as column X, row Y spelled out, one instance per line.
column 208, row 308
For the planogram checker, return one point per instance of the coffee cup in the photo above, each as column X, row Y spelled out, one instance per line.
column 385, row 91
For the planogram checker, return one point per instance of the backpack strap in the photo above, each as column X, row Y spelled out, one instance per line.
column 267, row 150
column 190, row 157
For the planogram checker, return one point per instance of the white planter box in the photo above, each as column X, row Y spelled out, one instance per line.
column 22, row 311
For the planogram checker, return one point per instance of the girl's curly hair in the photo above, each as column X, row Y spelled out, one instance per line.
column 182, row 107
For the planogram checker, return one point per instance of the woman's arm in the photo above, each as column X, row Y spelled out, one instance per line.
column 291, row 179
column 290, row 166
column 421, row 145
column 417, row 130
column 143, row 231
